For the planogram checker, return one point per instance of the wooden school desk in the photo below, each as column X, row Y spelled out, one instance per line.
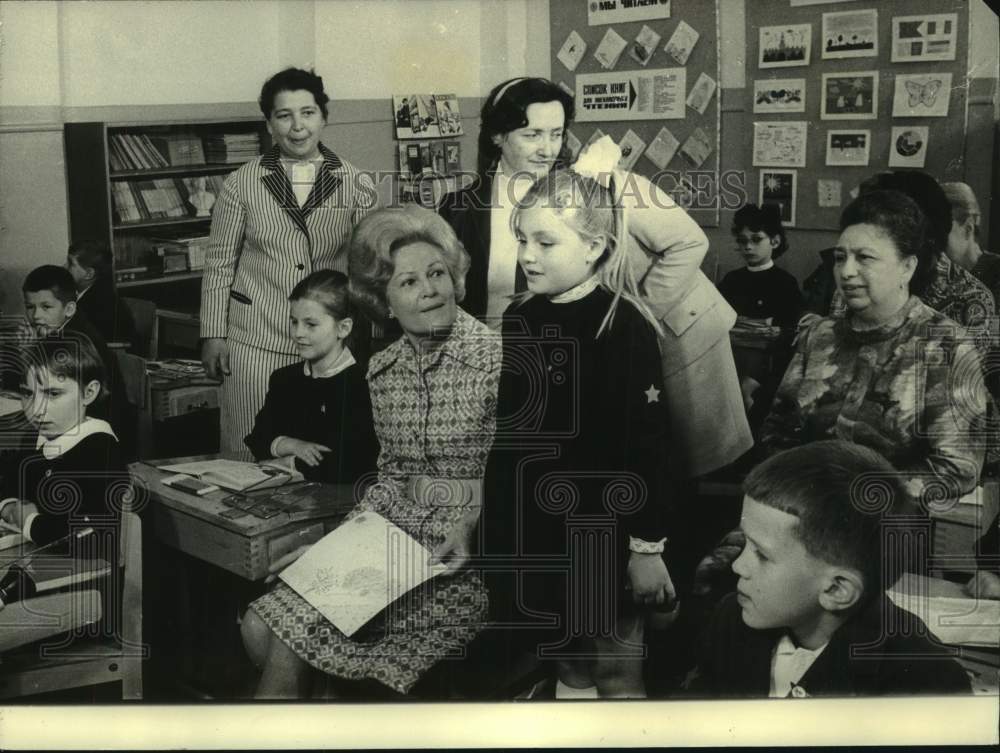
column 208, row 561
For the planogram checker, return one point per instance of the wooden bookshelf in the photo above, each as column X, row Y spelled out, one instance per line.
column 123, row 186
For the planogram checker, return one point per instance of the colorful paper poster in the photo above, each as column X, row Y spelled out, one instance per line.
column 926, row 38
column 701, row 93
column 449, row 116
column 921, row 95
column 682, row 42
column 662, row 149
column 772, row 95
column 780, row 144
column 600, row 12
column 848, row 147
column 784, row 46
column 828, row 193
column 423, row 116
column 572, row 51
column 849, row 96
column 644, row 45
column 779, row 187
column 610, row 49
column 697, row 147
column 850, row 34
column 632, row 148
column 908, row 146
column 656, row 94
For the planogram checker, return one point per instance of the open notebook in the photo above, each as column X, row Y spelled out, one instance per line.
column 238, row 476
column 949, row 613
column 359, row 569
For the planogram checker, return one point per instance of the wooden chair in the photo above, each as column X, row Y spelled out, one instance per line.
column 84, row 662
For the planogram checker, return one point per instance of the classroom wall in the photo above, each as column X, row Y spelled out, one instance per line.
column 63, row 61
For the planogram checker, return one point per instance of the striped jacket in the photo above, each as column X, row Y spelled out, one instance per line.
column 262, row 243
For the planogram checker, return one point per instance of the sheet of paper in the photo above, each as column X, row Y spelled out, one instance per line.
column 610, row 49
column 682, row 42
column 357, row 570
column 644, row 45
column 572, row 51
column 780, row 144
column 663, row 148
column 632, row 147
column 701, row 93
column 950, row 614
column 828, row 192
column 655, row 94
column 697, row 147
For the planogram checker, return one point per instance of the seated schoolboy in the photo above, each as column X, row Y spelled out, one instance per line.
column 319, row 411
column 51, row 311
column 71, row 477
column 810, row 616
column 90, row 264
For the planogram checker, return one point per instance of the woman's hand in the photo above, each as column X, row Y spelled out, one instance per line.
column 649, row 579
column 456, row 548
column 309, row 453
column 215, row 357
column 282, row 562
column 984, row 585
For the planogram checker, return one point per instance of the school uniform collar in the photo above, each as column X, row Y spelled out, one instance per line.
column 53, row 448
column 762, row 267
column 275, row 180
column 346, row 360
column 577, row 292
column 468, row 342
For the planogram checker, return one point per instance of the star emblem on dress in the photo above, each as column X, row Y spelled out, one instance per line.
column 652, row 394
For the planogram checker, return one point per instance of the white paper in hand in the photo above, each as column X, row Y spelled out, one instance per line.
column 357, row 570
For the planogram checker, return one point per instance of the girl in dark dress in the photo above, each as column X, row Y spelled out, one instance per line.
column 573, row 523
column 318, row 412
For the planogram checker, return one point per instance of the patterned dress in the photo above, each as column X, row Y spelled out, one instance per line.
column 911, row 389
column 435, row 415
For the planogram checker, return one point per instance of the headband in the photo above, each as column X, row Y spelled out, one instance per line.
column 499, row 95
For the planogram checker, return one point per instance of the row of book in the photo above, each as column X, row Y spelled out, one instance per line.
column 141, row 151
column 418, row 158
column 163, row 198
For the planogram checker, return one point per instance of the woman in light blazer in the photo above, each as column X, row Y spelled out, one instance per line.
column 522, row 136
column 277, row 219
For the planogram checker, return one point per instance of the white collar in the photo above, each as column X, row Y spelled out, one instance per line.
column 786, row 646
column 577, row 292
column 762, row 267
column 345, row 360
column 53, row 448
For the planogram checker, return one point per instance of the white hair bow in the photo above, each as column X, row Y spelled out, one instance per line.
column 598, row 161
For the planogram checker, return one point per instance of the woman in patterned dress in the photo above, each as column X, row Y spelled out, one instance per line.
column 433, row 395
column 893, row 374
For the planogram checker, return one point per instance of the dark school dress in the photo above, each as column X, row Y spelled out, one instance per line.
column 334, row 411
column 576, row 467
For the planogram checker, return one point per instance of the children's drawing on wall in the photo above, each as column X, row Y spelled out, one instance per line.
column 785, row 46
column 923, row 95
column 850, row 34
column 850, row 96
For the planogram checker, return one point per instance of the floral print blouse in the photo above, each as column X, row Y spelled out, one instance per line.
column 911, row 389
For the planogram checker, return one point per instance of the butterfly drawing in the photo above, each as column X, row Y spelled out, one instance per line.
column 923, row 94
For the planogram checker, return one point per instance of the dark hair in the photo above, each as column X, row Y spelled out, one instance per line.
column 71, row 355
column 928, row 195
column 763, row 219
column 899, row 217
column 290, row 80
column 94, row 255
column 51, row 277
column 506, row 110
column 375, row 240
column 329, row 289
column 841, row 494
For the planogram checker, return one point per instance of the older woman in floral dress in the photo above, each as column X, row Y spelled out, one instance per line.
column 433, row 395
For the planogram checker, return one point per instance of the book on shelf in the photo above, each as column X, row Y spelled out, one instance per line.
column 232, row 148
column 179, row 149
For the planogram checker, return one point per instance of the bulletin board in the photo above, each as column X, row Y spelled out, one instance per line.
column 915, row 65
column 680, row 174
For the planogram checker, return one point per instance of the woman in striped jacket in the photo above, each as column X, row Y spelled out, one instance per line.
column 278, row 218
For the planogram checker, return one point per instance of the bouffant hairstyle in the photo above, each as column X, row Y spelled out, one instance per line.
column 375, row 241
column 506, row 110
column 841, row 493
column 926, row 192
column 899, row 217
column 761, row 219
column 290, row 80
